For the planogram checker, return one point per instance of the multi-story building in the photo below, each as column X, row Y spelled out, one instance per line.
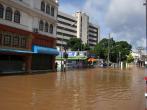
column 93, row 34
column 82, row 26
column 27, row 35
column 77, row 26
column 66, row 28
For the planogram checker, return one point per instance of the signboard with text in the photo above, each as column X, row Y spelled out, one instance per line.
column 75, row 53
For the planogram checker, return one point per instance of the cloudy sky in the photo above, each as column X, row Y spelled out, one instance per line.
column 124, row 19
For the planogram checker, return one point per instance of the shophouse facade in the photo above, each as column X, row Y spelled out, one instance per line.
column 28, row 35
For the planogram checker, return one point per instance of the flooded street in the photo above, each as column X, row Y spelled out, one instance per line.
column 91, row 89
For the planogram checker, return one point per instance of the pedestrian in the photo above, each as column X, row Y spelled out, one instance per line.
column 64, row 68
column 56, row 66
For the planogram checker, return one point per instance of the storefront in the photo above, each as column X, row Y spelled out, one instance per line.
column 76, row 59
column 40, row 58
column 13, row 60
column 21, row 29
column 15, row 49
column 43, row 58
column 23, row 51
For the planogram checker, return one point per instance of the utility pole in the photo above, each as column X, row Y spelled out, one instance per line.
column 61, row 48
column 108, row 59
column 146, row 25
column 119, row 59
column 146, row 54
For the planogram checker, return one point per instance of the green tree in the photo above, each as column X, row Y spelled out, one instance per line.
column 130, row 58
column 123, row 49
column 118, row 50
column 76, row 44
column 86, row 47
column 101, row 48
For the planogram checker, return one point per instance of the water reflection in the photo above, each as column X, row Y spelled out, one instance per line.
column 104, row 89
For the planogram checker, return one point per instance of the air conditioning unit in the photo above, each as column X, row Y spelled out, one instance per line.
column 35, row 30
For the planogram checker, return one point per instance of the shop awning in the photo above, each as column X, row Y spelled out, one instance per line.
column 72, row 58
column 15, row 51
column 45, row 50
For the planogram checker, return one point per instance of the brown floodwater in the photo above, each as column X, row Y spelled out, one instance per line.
column 90, row 89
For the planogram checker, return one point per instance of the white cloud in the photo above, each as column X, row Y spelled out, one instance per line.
column 95, row 9
column 126, row 18
column 68, row 8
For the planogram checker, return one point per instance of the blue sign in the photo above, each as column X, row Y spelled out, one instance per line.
column 75, row 53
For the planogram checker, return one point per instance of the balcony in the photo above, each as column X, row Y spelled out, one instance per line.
column 47, row 34
column 15, row 25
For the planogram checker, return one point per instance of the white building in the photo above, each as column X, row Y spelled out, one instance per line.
column 66, row 28
column 31, row 14
column 93, row 34
column 136, row 56
column 78, row 26
column 28, row 34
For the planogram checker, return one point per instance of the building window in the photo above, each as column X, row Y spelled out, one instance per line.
column 43, row 6
column 52, row 11
column 48, row 9
column 16, row 41
column 1, row 38
column 41, row 24
column 51, row 28
column 8, row 15
column 23, row 42
column 1, row 11
column 7, row 40
column 17, row 16
column 46, row 27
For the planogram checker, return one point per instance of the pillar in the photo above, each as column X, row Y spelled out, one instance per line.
column 53, row 63
column 29, row 64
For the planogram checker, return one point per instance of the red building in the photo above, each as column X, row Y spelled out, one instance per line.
column 27, row 36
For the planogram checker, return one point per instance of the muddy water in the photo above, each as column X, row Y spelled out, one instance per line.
column 93, row 89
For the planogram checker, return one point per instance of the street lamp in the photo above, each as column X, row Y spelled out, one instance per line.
column 63, row 66
column 61, row 52
column 81, row 43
